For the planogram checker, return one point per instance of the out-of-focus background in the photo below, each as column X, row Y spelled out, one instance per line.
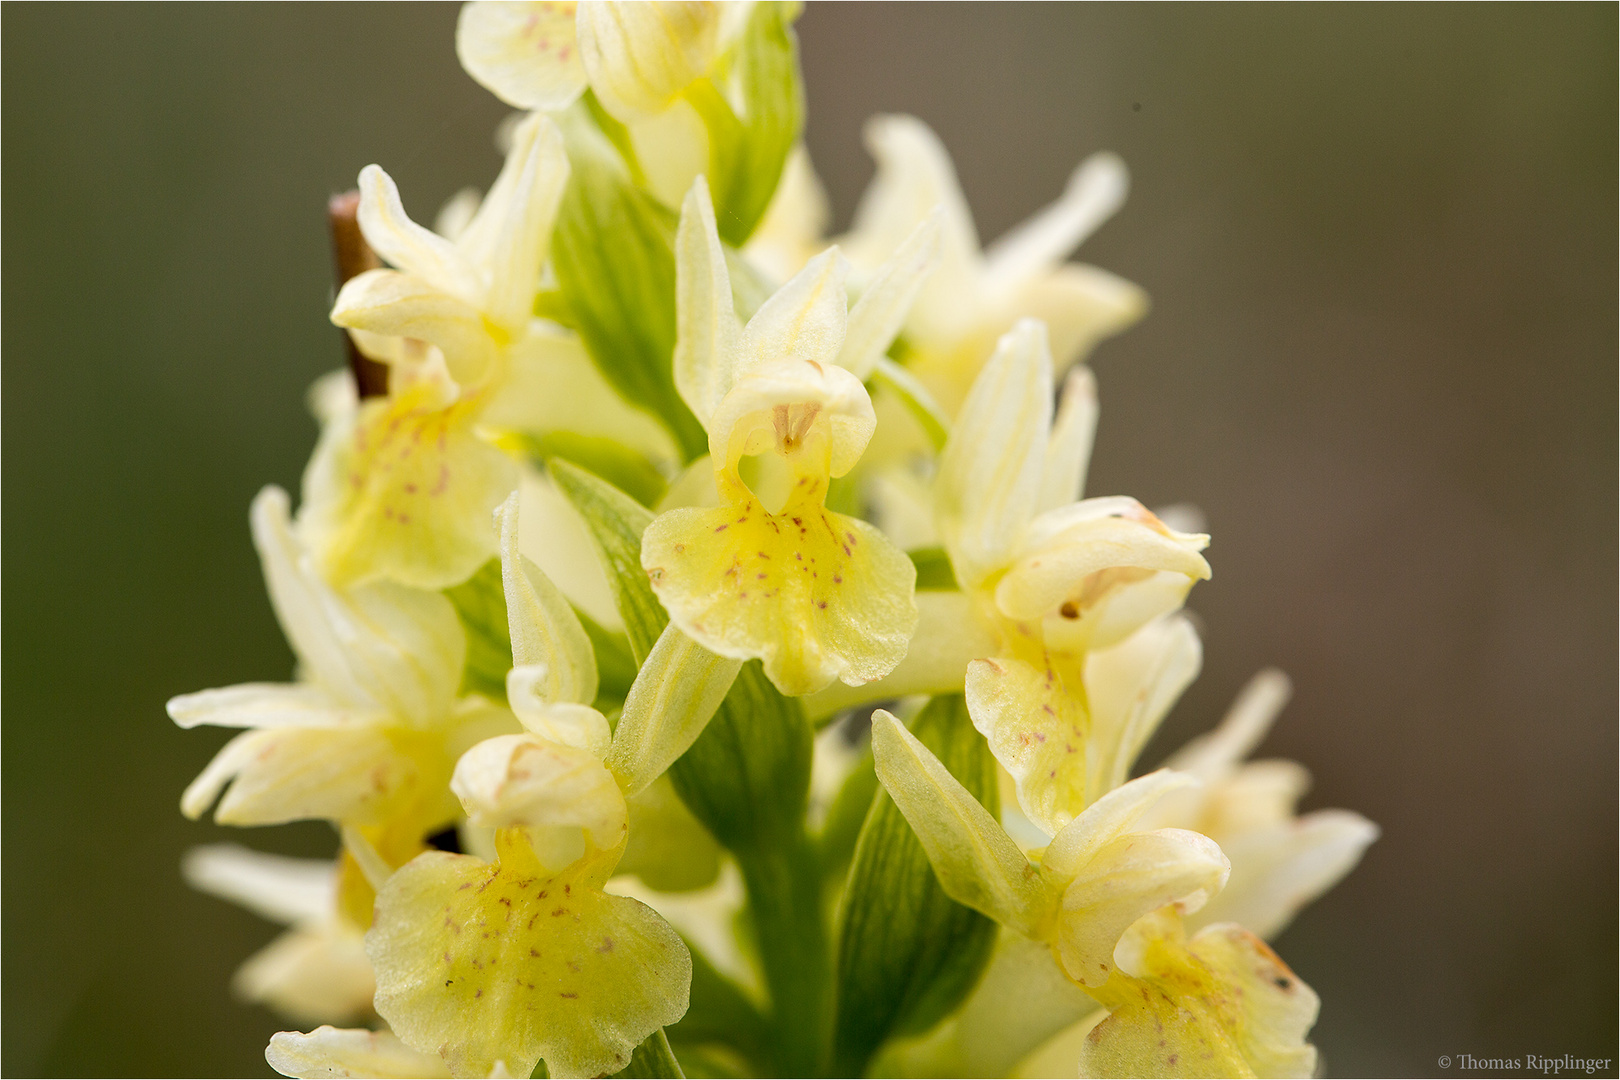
column 1382, row 358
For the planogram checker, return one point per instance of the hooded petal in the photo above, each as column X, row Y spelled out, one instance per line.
column 800, row 409
column 989, row 479
column 511, row 963
column 1124, row 879
column 329, row 1051
column 640, row 55
column 522, row 781
column 1075, row 555
column 1222, row 1004
column 395, row 304
column 814, row 594
column 379, row 646
column 525, row 54
column 405, row 491
column 977, row 864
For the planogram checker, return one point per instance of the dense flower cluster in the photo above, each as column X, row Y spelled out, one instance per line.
column 659, row 485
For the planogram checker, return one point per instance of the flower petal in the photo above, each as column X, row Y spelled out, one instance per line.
column 1095, row 191
column 1038, row 731
column 1246, row 723
column 276, row 887
column 976, row 863
column 523, row 53
column 568, row 723
column 1068, row 451
column 395, row 304
column 886, row 300
column 1068, row 553
column 639, row 54
column 522, row 781
column 311, row 974
column 708, row 333
column 359, row 775
column 1080, row 305
column 1130, row 687
column 1125, row 879
column 328, row 1051
column 525, row 196
column 1279, row 869
column 378, row 646
column 814, row 594
column 509, row 963
column 1222, row 1004
column 264, row 705
column 787, row 406
column 990, row 473
column 805, row 319
column 543, row 627
column 408, row 246
column 1109, row 818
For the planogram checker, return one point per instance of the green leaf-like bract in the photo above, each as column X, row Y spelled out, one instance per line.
column 613, row 252
column 907, row 953
column 653, row 1058
column 751, row 134
column 747, row 778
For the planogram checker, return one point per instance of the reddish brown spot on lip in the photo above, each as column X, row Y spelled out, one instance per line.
column 566, row 994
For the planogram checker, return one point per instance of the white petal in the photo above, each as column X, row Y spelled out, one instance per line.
column 378, row 646
column 405, row 244
column 915, row 175
column 1131, row 687
column 990, row 474
column 1095, row 191
column 1068, row 452
column 538, row 166
column 279, row 888
column 1277, row 870
column 675, row 694
column 544, row 629
column 332, row 1052
column 258, row 705
column 311, row 974
column 708, row 333
column 886, row 300
column 1241, row 730
column 523, row 53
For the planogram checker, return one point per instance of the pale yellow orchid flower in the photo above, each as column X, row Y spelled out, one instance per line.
column 368, row 736
column 641, row 60
column 977, row 294
column 1098, row 876
column 1281, row 860
column 1045, row 577
column 1220, row 1003
column 401, row 487
column 771, row 572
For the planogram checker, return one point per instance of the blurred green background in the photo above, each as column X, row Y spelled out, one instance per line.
column 1381, row 247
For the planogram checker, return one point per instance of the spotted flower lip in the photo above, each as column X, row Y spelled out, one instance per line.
column 817, row 595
